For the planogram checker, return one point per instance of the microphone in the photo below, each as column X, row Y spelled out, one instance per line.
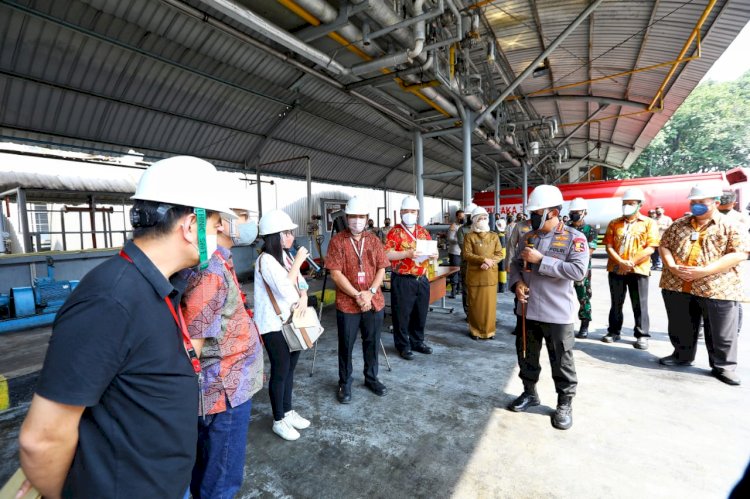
column 309, row 259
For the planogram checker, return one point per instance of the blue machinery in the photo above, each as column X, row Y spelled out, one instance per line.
column 35, row 306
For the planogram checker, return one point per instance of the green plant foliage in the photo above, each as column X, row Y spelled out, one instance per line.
column 709, row 132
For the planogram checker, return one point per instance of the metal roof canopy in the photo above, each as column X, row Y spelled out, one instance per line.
column 181, row 77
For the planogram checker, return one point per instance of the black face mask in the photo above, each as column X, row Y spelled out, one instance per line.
column 576, row 217
column 388, row 224
column 370, row 225
column 725, row 211
column 460, row 220
column 538, row 220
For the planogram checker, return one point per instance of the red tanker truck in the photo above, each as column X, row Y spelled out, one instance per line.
column 604, row 196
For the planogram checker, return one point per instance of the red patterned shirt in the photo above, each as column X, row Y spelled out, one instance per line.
column 232, row 356
column 401, row 239
column 342, row 256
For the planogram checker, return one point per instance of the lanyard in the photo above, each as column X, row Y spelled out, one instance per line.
column 409, row 232
column 180, row 321
column 234, row 277
column 358, row 251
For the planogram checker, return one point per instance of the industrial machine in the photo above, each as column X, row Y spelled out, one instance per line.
column 35, row 306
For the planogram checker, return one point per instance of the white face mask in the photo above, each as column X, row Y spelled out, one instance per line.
column 357, row 225
column 629, row 209
column 212, row 242
column 409, row 219
column 482, row 226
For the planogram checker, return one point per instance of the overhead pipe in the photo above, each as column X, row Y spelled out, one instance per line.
column 406, row 56
column 578, row 162
column 383, row 14
column 250, row 19
column 568, row 137
column 531, row 67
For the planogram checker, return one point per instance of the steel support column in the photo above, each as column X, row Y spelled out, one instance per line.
column 466, row 133
column 525, row 187
column 419, row 167
column 497, row 193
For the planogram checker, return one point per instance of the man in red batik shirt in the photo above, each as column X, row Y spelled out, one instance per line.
column 410, row 287
column 357, row 263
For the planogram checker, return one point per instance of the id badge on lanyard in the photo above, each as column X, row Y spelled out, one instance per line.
column 361, row 276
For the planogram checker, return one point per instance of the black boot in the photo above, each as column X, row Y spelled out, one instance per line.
column 528, row 398
column 562, row 419
column 584, row 331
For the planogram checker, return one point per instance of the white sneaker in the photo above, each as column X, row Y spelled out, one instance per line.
column 284, row 430
column 296, row 420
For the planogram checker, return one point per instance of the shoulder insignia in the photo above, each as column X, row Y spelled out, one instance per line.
column 579, row 244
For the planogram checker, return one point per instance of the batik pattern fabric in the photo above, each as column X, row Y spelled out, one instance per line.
column 232, row 355
column 399, row 239
column 629, row 238
column 710, row 242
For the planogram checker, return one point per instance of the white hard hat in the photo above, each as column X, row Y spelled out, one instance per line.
column 544, row 196
column 470, row 208
column 578, row 204
column 635, row 194
column 706, row 190
column 356, row 206
column 185, row 181
column 239, row 199
column 275, row 221
column 410, row 203
column 479, row 211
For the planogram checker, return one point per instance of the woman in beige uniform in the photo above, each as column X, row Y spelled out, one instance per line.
column 481, row 252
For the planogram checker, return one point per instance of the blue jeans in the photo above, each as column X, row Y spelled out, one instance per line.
column 220, row 460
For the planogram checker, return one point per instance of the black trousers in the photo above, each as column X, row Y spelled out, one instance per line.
column 636, row 286
column 283, row 363
column 720, row 317
column 410, row 301
column 559, row 339
column 455, row 279
column 369, row 324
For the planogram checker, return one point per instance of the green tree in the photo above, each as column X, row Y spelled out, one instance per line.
column 709, row 132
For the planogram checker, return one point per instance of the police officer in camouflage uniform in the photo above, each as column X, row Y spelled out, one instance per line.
column 577, row 211
column 548, row 260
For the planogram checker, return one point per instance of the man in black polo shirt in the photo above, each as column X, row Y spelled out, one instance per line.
column 115, row 405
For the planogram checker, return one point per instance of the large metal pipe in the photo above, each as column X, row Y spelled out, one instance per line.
column 248, row 18
column 531, row 67
column 467, row 157
column 419, row 167
column 569, row 136
column 382, row 13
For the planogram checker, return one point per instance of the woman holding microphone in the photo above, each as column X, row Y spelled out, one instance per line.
column 277, row 273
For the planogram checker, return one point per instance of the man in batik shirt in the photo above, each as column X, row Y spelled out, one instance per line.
column 410, row 287
column 231, row 356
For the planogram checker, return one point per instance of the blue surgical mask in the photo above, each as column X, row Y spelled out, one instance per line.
column 247, row 233
column 698, row 209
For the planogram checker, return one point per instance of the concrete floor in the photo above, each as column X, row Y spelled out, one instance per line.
column 640, row 429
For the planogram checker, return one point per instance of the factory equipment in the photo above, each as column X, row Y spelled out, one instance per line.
column 34, row 306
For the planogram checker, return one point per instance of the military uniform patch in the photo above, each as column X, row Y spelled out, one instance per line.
column 579, row 244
